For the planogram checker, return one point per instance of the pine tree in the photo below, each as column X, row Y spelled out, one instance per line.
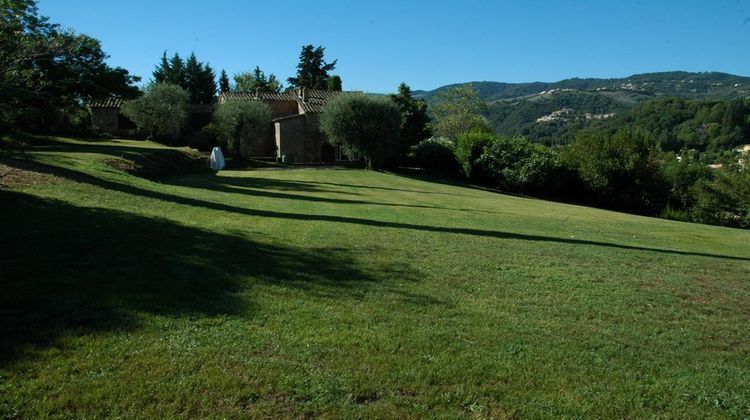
column 196, row 78
column 224, row 82
column 312, row 70
column 162, row 69
column 176, row 74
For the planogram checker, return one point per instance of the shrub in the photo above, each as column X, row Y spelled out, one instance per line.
column 468, row 151
column 241, row 126
column 364, row 125
column 724, row 200
column 518, row 165
column 435, row 154
column 682, row 176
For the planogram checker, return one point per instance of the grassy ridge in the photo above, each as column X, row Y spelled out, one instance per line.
column 348, row 293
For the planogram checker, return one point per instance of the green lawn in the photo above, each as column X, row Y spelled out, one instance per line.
column 346, row 293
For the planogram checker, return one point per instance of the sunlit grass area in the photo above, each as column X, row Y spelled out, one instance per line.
column 341, row 292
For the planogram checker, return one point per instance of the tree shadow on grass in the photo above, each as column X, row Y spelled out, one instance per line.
column 263, row 187
column 188, row 201
column 70, row 269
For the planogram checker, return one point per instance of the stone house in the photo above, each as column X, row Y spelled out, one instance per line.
column 296, row 125
column 107, row 117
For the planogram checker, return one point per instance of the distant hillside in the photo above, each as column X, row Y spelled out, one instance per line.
column 710, row 85
column 552, row 112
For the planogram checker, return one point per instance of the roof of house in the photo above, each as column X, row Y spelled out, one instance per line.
column 111, row 102
column 315, row 99
column 265, row 96
column 310, row 100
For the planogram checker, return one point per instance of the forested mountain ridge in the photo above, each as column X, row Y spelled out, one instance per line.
column 551, row 113
column 705, row 85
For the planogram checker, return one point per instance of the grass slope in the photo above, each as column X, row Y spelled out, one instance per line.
column 347, row 293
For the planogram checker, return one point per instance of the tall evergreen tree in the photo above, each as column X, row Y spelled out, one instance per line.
column 162, row 69
column 224, row 82
column 176, row 75
column 199, row 81
column 197, row 78
column 312, row 70
column 334, row 84
column 414, row 119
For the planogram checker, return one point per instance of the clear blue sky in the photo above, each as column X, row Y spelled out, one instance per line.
column 424, row 43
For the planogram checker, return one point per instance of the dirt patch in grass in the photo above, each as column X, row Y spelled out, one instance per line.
column 24, row 174
column 155, row 165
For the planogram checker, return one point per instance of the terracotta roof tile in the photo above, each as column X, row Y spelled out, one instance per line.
column 314, row 99
column 111, row 102
column 266, row 96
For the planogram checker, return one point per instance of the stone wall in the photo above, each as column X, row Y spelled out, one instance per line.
column 281, row 109
column 290, row 138
column 105, row 119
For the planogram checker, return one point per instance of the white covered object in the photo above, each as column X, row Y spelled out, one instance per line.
column 216, row 160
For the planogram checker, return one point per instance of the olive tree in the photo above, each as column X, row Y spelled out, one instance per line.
column 457, row 111
column 161, row 111
column 363, row 124
column 242, row 125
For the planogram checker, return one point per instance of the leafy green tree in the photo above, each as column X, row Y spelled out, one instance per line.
column 682, row 175
column 622, row 170
column 469, row 149
column 458, row 110
column 256, row 81
column 724, row 199
column 47, row 74
column 242, row 125
column 161, row 111
column 364, row 125
column 224, row 82
column 334, row 84
column 312, row 70
column 414, row 119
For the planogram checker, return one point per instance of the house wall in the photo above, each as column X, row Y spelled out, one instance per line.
column 315, row 139
column 290, row 138
column 281, row 109
column 105, row 119
column 112, row 121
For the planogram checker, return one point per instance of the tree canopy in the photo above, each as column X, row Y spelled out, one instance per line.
column 256, row 81
column 197, row 78
column 362, row 124
column 457, row 111
column 161, row 111
column 47, row 73
column 224, row 82
column 312, row 70
column 241, row 125
column 334, row 84
column 414, row 119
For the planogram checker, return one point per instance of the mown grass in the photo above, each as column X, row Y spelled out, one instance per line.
column 326, row 292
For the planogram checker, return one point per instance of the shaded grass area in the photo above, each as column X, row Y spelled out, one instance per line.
column 344, row 293
column 99, row 265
